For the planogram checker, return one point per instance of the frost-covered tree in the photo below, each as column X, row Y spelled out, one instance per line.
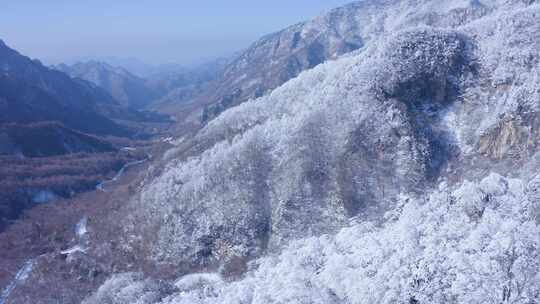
column 343, row 139
column 129, row 288
column 476, row 243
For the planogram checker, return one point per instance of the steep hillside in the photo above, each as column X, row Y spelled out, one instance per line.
column 123, row 86
column 403, row 172
column 271, row 61
column 30, row 92
column 340, row 141
column 281, row 56
column 438, row 98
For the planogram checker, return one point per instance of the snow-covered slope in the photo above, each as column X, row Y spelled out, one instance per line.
column 278, row 57
column 327, row 146
column 346, row 138
column 476, row 243
column 404, row 172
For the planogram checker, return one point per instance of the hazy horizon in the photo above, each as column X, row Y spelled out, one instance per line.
column 187, row 32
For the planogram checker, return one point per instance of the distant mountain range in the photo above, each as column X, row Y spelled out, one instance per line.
column 197, row 95
column 130, row 90
column 269, row 62
column 59, row 135
column 135, row 66
column 31, row 93
column 161, row 87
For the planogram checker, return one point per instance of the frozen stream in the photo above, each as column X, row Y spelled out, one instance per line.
column 101, row 186
column 20, row 277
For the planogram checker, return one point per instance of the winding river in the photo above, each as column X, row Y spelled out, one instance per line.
column 101, row 185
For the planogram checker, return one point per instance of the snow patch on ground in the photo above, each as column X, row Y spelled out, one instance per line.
column 72, row 250
column 81, row 228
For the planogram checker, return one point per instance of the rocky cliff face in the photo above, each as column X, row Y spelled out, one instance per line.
column 405, row 171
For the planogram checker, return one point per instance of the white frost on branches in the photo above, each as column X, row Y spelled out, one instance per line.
column 475, row 244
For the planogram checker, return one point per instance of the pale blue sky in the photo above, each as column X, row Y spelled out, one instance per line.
column 159, row 31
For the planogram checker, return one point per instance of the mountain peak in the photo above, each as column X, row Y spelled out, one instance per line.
column 5, row 47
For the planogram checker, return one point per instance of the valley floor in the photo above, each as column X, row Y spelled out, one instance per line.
column 85, row 186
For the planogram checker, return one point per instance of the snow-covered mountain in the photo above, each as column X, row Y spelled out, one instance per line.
column 420, row 103
column 278, row 57
column 440, row 94
column 270, row 62
column 405, row 171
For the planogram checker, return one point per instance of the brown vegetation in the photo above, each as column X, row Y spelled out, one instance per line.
column 48, row 138
column 23, row 180
column 45, row 230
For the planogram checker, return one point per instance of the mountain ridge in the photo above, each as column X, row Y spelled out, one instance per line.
column 51, row 95
column 130, row 90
